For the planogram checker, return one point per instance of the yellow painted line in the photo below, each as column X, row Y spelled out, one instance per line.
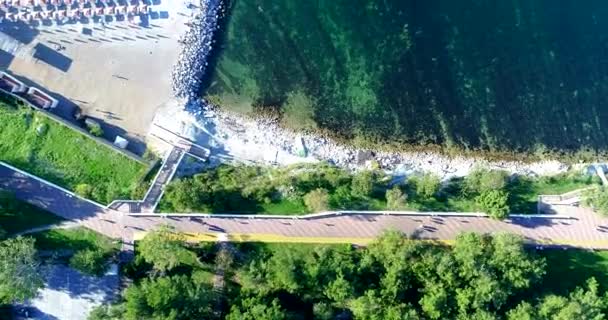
column 276, row 238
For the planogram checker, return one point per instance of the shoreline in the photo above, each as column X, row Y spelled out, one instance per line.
column 232, row 137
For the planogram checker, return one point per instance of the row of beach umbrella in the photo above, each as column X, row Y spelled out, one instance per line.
column 42, row 3
column 78, row 12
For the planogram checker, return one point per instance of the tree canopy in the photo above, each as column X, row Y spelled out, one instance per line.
column 393, row 277
column 164, row 249
column 19, row 275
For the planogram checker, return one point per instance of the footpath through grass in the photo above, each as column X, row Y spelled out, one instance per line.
column 38, row 145
column 17, row 216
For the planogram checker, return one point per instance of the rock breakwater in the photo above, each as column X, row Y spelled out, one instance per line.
column 197, row 44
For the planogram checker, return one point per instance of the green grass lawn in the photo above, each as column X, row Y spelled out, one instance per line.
column 285, row 207
column 524, row 191
column 17, row 216
column 567, row 269
column 76, row 239
column 36, row 144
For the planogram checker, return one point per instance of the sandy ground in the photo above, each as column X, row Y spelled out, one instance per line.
column 68, row 294
column 119, row 73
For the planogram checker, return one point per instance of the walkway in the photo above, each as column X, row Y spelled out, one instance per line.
column 164, row 176
column 157, row 188
column 584, row 229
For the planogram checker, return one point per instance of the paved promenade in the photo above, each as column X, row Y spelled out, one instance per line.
column 583, row 229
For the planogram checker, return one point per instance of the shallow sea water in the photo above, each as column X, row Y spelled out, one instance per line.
column 508, row 74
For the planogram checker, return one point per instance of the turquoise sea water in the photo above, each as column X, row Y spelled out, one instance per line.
column 490, row 74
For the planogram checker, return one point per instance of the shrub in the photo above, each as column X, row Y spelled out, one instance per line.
column 395, row 198
column 426, row 185
column 481, row 180
column 96, row 130
column 84, row 190
column 317, row 200
column 597, row 199
column 89, row 261
column 363, row 184
column 494, row 203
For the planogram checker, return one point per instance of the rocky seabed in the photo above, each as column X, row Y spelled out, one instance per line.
column 188, row 74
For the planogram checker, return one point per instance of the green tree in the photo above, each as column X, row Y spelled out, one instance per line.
column 93, row 262
column 371, row 306
column 583, row 303
column 187, row 194
column 96, row 130
column 339, row 290
column 395, row 198
column 165, row 249
column 491, row 269
column 342, row 197
column 317, row 200
column 84, row 190
column 176, row 297
column 597, row 199
column 255, row 309
column 523, row 311
column 427, row 185
column 108, row 312
column 362, row 184
column 482, row 180
column 323, row 311
column 494, row 203
column 19, row 276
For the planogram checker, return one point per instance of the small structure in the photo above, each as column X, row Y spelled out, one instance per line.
column 40, row 99
column 9, row 83
column 121, row 142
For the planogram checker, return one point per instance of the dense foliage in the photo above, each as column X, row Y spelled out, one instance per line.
column 480, row 277
column 597, row 198
column 494, row 203
column 522, row 75
column 90, row 252
column 19, row 276
column 319, row 187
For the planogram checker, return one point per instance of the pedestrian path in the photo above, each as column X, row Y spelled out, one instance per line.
column 157, row 187
column 569, row 226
